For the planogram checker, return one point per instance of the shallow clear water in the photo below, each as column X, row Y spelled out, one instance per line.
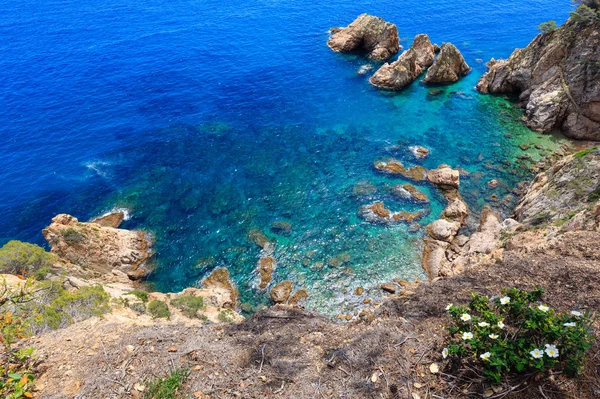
column 209, row 119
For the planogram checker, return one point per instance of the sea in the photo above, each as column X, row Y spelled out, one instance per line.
column 207, row 120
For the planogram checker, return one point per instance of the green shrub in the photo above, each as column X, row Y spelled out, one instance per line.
column 516, row 334
column 159, row 310
column 72, row 236
column 587, row 11
column 189, row 305
column 547, row 27
column 18, row 257
column 137, row 307
column 168, row 387
column 226, row 316
column 16, row 381
column 141, row 295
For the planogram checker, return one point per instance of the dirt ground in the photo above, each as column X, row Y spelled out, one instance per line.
column 285, row 352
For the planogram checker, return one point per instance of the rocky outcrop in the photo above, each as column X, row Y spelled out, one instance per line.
column 410, row 192
column 218, row 280
column 281, row 292
column 444, row 177
column 418, row 151
column 448, row 67
column 395, row 167
column 567, row 189
column 378, row 213
column 113, row 219
column 407, row 67
column 265, row 270
column 557, row 78
column 367, row 34
column 99, row 248
column 443, row 230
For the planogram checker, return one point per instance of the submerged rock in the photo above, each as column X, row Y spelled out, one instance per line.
column 298, row 297
column 281, row 292
column 557, row 86
column 444, row 177
column 448, row 67
column 408, row 191
column 395, row 167
column 99, row 248
column 407, row 67
column 367, row 34
column 282, row 228
column 364, row 69
column 418, row 151
column 363, row 188
column 266, row 265
column 259, row 238
column 378, row 213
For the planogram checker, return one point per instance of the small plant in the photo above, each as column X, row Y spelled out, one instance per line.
column 141, row 295
column 72, row 236
column 168, row 387
column 516, row 333
column 158, row 310
column 16, row 378
column 547, row 27
column 189, row 305
column 226, row 316
column 18, row 257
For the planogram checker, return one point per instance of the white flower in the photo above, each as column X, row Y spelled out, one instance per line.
column 505, row 300
column 543, row 308
column 445, row 353
column 551, row 351
column 537, row 353
column 571, row 324
column 467, row 335
column 485, row 356
column 576, row 313
column 493, row 336
column 465, row 317
column 500, row 324
column 483, row 324
column 449, row 306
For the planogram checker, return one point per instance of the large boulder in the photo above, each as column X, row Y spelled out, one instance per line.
column 99, row 248
column 448, row 67
column 407, row 67
column 444, row 177
column 443, row 230
column 556, row 80
column 367, row 34
column 219, row 280
column 281, row 292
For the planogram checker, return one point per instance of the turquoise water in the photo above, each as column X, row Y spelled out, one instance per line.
column 207, row 120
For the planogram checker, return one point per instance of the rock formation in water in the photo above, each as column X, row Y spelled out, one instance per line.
column 367, row 34
column 411, row 63
column 378, row 213
column 395, row 167
column 558, row 80
column 448, row 67
column 103, row 249
column 219, row 280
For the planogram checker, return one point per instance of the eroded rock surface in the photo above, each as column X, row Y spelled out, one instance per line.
column 444, row 177
column 448, row 67
column 367, row 34
column 219, row 280
column 556, row 77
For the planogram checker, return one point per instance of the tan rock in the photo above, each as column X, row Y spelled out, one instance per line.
column 280, row 293
column 444, row 177
column 219, row 279
column 389, row 287
column 298, row 297
column 113, row 220
column 448, row 67
column 265, row 269
column 434, row 257
column 443, row 230
column 395, row 167
column 368, row 34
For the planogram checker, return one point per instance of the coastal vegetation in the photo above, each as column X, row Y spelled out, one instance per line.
column 168, row 387
column 21, row 258
column 159, row 309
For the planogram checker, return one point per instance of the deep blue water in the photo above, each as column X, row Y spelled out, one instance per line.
column 207, row 119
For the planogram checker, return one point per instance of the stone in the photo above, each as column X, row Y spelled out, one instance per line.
column 282, row 228
column 266, row 265
column 219, row 279
column 395, row 167
column 378, row 213
column 389, row 287
column 281, row 292
column 359, row 291
column 448, row 67
column 366, row 34
column 418, row 151
column 443, row 230
column 99, row 248
column 363, row 189
column 434, row 257
column 457, row 208
column 298, row 297
column 444, row 177
column 257, row 237
column 407, row 67
column 552, row 76
column 408, row 191
column 113, row 219
column 493, row 183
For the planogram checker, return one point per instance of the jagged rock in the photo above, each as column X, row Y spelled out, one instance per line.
column 407, row 67
column 219, row 279
column 557, row 86
column 265, row 270
column 378, row 213
column 436, row 48
column 485, row 239
column 298, row 297
column 98, row 248
column 418, row 151
column 389, row 287
column 448, row 67
column 444, row 177
column 281, row 292
column 111, row 220
column 408, row 191
column 395, row 167
column 570, row 186
column 457, row 208
column 282, row 228
column 434, row 257
column 367, row 34
column 443, row 230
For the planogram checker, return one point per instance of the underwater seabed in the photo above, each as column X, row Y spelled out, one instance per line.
column 219, row 182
